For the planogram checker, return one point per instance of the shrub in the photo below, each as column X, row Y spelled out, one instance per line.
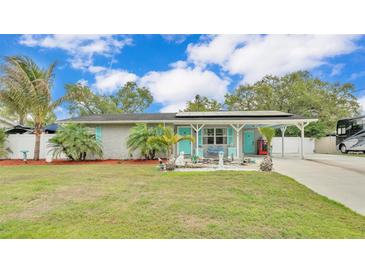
column 76, row 142
column 138, row 140
column 266, row 164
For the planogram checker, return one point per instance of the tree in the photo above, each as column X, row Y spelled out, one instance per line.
column 299, row 93
column 31, row 88
column 129, row 99
column 76, row 142
column 243, row 98
column 168, row 139
column 138, row 140
column 203, row 104
column 7, row 113
column 3, row 150
column 13, row 94
column 83, row 101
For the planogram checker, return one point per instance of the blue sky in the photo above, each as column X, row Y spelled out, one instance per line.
column 176, row 67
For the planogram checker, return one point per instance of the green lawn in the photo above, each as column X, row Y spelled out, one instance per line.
column 355, row 154
column 130, row 201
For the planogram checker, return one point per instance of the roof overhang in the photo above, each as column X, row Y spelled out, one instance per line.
column 272, row 122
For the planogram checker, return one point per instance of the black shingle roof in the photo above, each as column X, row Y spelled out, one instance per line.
column 193, row 116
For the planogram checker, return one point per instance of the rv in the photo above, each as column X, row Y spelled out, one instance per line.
column 350, row 134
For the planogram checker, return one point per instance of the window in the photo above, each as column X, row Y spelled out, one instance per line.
column 341, row 130
column 216, row 136
column 357, row 125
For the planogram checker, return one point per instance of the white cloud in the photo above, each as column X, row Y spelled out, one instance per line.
column 81, row 48
column 357, row 75
column 254, row 56
column 175, row 38
column 174, row 87
column 214, row 49
column 61, row 113
column 361, row 101
column 179, row 64
column 96, row 69
column 110, row 81
column 83, row 82
column 174, row 107
column 336, row 69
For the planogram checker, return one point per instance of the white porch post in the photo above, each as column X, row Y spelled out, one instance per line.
column 301, row 126
column 197, row 128
column 283, row 129
column 237, row 129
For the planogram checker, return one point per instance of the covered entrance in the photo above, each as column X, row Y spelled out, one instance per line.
column 235, row 133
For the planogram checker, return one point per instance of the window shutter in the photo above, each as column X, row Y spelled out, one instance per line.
column 98, row 133
column 230, row 136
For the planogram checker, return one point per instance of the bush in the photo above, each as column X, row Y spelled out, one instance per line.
column 76, row 142
column 266, row 164
column 138, row 140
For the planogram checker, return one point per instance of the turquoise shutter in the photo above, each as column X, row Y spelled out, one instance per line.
column 200, row 137
column 98, row 133
column 230, row 136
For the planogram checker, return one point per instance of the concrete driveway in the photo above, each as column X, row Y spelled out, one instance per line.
column 340, row 178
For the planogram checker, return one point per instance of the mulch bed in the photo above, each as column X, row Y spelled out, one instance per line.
column 67, row 162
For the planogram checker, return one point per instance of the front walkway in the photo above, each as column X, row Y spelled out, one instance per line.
column 341, row 178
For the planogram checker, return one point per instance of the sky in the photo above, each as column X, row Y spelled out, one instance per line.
column 177, row 67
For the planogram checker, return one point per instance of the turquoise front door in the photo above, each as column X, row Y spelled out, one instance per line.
column 249, row 141
column 184, row 145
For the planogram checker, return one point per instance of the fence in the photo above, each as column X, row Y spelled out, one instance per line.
column 292, row 145
column 25, row 142
column 326, row 145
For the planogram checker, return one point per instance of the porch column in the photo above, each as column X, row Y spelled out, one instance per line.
column 283, row 129
column 197, row 128
column 237, row 129
column 301, row 126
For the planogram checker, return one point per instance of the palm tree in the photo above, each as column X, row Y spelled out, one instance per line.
column 14, row 105
column 268, row 133
column 138, row 140
column 76, row 142
column 29, row 87
column 169, row 139
column 3, row 150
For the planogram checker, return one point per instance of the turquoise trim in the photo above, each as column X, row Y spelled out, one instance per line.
column 230, row 136
column 232, row 152
column 98, row 133
column 200, row 137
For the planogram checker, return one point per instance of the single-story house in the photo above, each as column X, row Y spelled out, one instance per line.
column 233, row 132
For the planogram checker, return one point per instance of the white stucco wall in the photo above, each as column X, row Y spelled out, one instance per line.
column 114, row 140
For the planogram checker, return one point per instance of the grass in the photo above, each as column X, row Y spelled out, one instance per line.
column 354, row 154
column 130, row 201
